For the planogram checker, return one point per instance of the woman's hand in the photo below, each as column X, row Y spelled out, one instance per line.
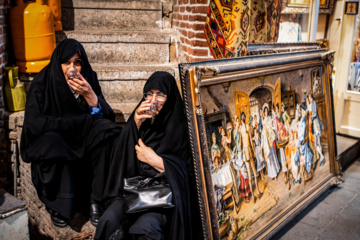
column 147, row 155
column 82, row 87
column 142, row 113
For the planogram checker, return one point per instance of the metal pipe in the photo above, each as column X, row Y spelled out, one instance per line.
column 15, row 166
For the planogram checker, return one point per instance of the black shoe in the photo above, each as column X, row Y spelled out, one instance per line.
column 57, row 219
column 95, row 214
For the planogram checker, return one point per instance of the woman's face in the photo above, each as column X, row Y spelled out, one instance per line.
column 73, row 64
column 214, row 139
column 156, row 97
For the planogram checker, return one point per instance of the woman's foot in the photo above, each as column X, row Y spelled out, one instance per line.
column 57, row 219
column 95, row 213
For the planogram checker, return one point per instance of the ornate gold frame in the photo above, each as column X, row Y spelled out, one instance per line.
column 195, row 75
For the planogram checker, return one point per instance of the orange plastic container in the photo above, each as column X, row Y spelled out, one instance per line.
column 55, row 6
column 33, row 35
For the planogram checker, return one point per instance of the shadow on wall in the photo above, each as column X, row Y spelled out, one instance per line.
column 67, row 14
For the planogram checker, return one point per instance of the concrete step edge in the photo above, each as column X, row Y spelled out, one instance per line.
column 94, row 36
column 108, row 72
column 114, row 4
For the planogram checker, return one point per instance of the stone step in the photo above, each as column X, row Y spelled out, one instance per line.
column 116, row 36
column 124, row 84
column 111, row 14
column 123, row 47
column 123, row 111
column 113, row 4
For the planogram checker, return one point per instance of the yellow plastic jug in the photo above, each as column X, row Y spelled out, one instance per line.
column 55, row 6
column 14, row 90
column 33, row 35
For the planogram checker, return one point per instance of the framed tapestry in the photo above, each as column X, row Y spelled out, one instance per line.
column 257, row 165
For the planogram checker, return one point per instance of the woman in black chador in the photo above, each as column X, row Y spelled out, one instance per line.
column 68, row 132
column 148, row 144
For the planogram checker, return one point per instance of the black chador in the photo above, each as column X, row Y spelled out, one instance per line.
column 167, row 136
column 67, row 146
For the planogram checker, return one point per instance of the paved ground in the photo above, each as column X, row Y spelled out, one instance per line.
column 335, row 215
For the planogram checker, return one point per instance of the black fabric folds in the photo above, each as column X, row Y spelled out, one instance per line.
column 59, row 133
column 167, row 136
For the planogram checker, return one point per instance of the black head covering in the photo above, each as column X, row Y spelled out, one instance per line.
column 167, row 136
column 51, row 106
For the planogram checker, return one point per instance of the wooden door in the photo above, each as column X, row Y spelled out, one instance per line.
column 242, row 104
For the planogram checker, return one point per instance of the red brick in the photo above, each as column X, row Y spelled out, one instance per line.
column 185, row 17
column 198, row 52
column 203, row 9
column 200, row 1
column 194, row 26
column 197, row 43
column 197, row 18
column 189, row 9
column 175, row 23
column 192, row 34
column 196, row 59
column 184, row 33
column 182, row 9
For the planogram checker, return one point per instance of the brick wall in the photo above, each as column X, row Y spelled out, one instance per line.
column 188, row 20
column 5, row 165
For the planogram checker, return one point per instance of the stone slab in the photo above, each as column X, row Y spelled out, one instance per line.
column 9, row 203
column 323, row 213
column 15, row 227
column 340, row 197
column 16, row 119
column 353, row 171
column 113, row 4
column 345, row 226
column 125, row 85
column 131, row 72
column 122, row 91
column 351, row 184
column 127, row 53
column 301, row 231
column 123, row 111
column 110, row 19
column 96, row 36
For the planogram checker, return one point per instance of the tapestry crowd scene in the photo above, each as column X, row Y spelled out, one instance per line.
column 173, row 119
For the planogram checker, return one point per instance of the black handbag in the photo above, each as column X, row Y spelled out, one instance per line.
column 144, row 193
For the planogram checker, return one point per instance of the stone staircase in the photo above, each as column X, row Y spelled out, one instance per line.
column 126, row 41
